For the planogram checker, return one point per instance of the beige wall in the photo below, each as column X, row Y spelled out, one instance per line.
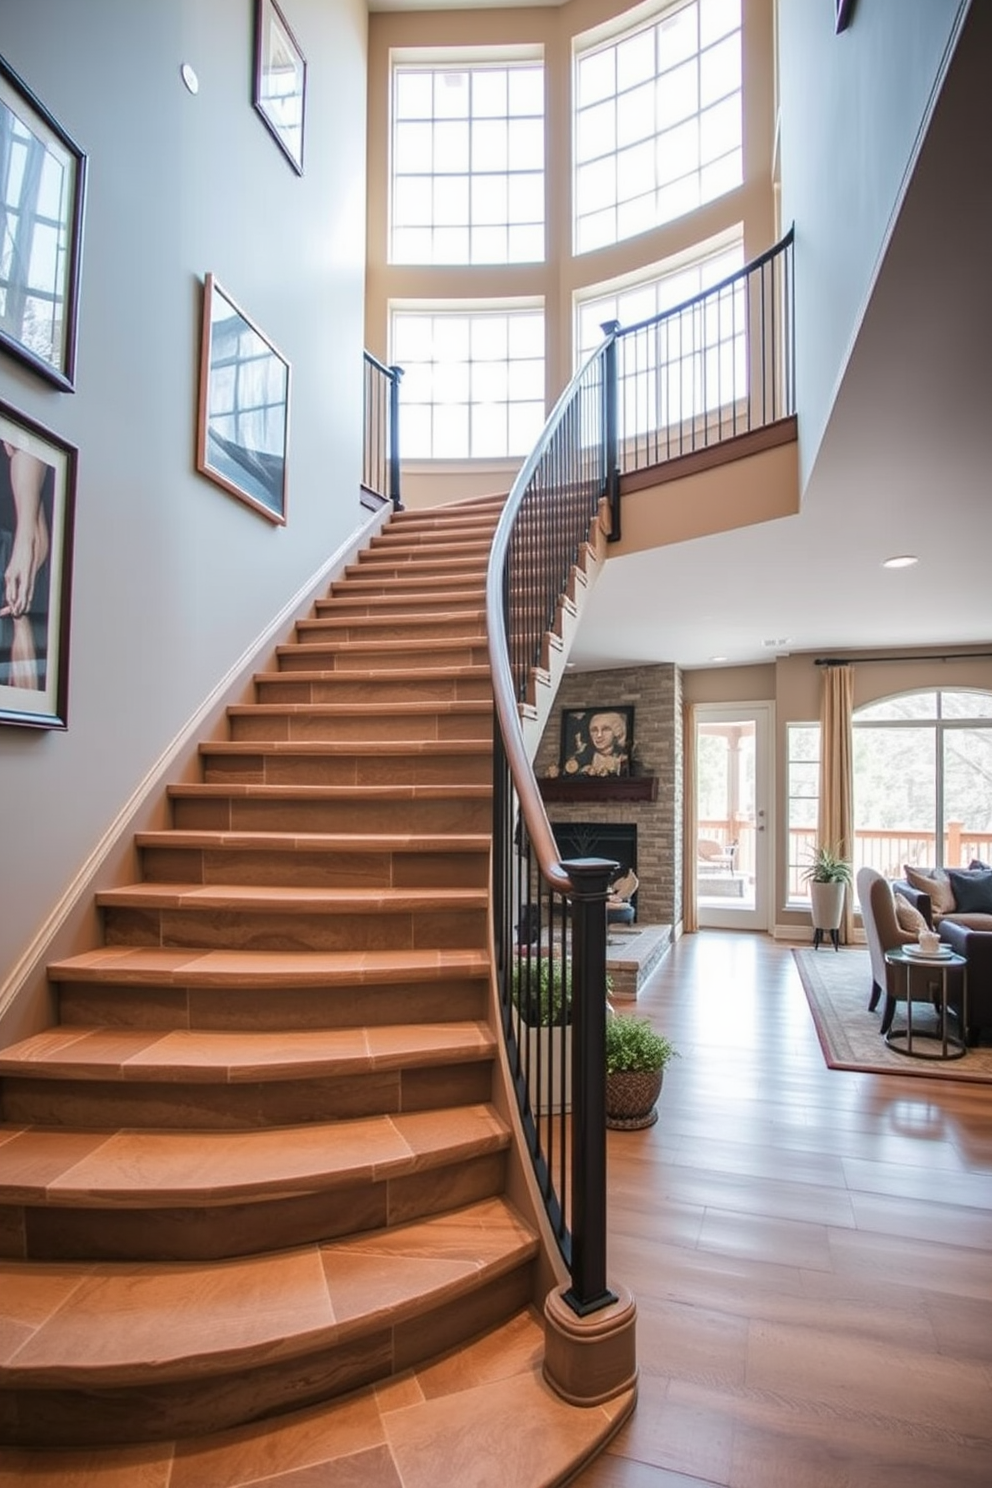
column 557, row 279
column 174, row 580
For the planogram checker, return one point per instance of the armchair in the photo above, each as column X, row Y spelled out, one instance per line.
column 884, row 933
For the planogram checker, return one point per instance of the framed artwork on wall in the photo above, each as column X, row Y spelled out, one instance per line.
column 42, row 190
column 37, row 511
column 243, row 424
column 596, row 741
column 280, row 81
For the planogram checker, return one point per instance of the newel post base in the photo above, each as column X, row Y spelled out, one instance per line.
column 588, row 1360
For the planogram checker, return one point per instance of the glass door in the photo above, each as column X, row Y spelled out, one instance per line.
column 734, row 836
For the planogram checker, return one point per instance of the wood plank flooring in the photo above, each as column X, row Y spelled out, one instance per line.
column 810, row 1249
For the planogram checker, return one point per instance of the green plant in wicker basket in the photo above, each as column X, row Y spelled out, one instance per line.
column 632, row 1044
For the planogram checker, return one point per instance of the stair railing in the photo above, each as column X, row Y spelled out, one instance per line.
column 549, row 916
column 381, row 447
column 719, row 365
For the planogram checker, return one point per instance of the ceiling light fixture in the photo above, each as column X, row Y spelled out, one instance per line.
column 901, row 560
column 718, row 658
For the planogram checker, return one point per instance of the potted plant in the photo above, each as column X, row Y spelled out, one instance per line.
column 542, row 995
column 829, row 876
column 636, row 1057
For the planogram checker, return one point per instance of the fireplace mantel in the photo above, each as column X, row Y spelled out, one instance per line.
column 600, row 788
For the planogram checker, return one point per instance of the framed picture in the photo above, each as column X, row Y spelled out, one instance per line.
column 42, row 187
column 280, row 81
column 596, row 741
column 37, row 509
column 243, row 426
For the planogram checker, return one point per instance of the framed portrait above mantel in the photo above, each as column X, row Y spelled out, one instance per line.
column 596, row 742
column 42, row 190
column 37, row 509
column 243, row 425
column 280, row 92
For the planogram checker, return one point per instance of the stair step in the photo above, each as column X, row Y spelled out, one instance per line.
column 219, row 1343
column 117, row 1077
column 391, row 656
column 359, row 579
column 488, row 1390
column 305, row 919
column 426, row 684
column 315, row 859
column 464, row 625
column 328, row 808
column 424, row 601
column 453, row 553
column 153, row 987
column 349, row 762
column 416, row 561
column 472, row 719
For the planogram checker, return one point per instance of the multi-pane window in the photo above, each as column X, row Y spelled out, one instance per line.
column 650, row 296
column 467, row 164
column 473, row 381
column 803, row 802
column 683, row 369
column 657, row 122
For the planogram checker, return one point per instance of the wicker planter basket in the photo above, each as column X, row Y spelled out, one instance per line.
column 631, row 1098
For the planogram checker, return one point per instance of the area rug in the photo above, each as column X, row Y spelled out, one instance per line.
column 837, row 985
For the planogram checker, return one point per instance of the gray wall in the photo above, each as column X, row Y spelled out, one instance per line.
column 174, row 579
column 853, row 109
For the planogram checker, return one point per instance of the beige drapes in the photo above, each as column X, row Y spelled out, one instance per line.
column 835, row 826
column 690, row 820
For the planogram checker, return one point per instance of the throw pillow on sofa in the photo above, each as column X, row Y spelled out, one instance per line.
column 972, row 890
column 908, row 917
column 938, row 887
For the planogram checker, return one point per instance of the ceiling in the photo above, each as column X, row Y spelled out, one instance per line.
column 905, row 465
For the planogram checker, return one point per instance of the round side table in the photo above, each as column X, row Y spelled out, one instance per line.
column 904, row 1040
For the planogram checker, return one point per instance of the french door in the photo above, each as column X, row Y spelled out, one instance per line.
column 733, row 814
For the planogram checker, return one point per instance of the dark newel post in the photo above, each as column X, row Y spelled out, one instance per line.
column 395, row 373
column 611, row 432
column 590, row 877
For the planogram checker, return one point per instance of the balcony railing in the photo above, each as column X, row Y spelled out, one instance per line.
column 381, row 448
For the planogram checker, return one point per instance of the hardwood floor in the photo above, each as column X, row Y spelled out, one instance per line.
column 811, row 1251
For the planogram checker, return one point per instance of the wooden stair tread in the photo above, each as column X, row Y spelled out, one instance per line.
column 410, row 617
column 474, row 672
column 414, row 709
column 200, row 1319
column 290, row 899
column 358, row 842
column 142, row 1168
column 363, row 747
column 489, row 1390
column 469, row 594
column 393, row 792
column 137, row 1054
column 161, row 966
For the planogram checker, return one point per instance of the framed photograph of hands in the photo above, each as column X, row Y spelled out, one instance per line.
column 280, row 81
column 42, row 182
column 243, row 428
column 37, row 507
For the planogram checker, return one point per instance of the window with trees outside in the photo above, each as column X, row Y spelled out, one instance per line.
column 467, row 173
column 473, row 381
column 922, row 784
column 658, row 122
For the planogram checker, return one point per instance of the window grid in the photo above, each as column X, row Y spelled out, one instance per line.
column 467, row 178
column 473, row 382
column 802, row 803
column 658, row 122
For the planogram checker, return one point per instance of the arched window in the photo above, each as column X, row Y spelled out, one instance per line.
column 923, row 780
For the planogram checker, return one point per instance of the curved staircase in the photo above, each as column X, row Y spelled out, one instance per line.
column 253, row 1210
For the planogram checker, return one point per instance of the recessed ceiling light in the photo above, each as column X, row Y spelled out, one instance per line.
column 901, row 560
column 718, row 658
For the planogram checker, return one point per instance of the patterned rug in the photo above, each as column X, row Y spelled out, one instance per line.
column 837, row 985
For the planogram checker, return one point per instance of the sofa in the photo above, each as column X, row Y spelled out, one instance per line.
column 957, row 903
